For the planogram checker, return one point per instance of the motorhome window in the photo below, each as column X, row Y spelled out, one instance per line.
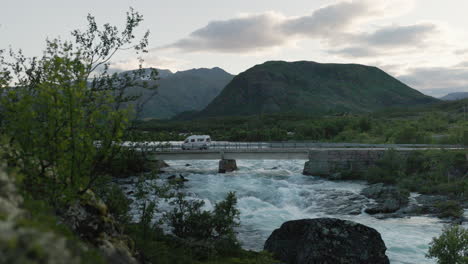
column 186, row 141
column 208, row 140
column 192, row 140
column 200, row 139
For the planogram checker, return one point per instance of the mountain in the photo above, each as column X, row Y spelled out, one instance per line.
column 310, row 87
column 183, row 91
column 455, row 96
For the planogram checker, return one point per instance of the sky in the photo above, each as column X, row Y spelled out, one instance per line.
column 421, row 42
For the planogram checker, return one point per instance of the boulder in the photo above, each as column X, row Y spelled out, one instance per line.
column 326, row 240
column 20, row 241
column 388, row 199
column 91, row 220
column 227, row 165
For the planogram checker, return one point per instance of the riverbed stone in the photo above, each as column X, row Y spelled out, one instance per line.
column 326, row 240
column 388, row 198
column 342, row 202
column 227, row 165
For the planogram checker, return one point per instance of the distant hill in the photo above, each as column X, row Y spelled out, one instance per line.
column 183, row 91
column 455, row 96
column 310, row 87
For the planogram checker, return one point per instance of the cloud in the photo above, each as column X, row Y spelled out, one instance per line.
column 389, row 40
column 413, row 35
column 437, row 81
column 258, row 32
column 235, row 35
column 461, row 51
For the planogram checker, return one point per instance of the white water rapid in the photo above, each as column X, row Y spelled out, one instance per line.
column 272, row 192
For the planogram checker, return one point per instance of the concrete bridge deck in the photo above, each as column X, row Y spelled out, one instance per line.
column 264, row 153
column 321, row 159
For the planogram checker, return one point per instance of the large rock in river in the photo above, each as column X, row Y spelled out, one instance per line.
column 326, row 241
column 388, row 198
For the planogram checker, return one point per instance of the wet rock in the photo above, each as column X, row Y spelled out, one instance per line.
column 187, row 165
column 274, row 168
column 177, row 178
column 157, row 166
column 388, row 199
column 326, row 240
column 227, row 165
column 343, row 202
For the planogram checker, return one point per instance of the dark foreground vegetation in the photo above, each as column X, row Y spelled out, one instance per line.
column 62, row 121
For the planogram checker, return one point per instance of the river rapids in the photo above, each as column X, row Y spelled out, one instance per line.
column 272, row 192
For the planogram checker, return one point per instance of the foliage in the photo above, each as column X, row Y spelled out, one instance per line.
column 388, row 169
column 189, row 220
column 115, row 200
column 64, row 125
column 41, row 217
column 451, row 247
column 441, row 123
column 450, row 209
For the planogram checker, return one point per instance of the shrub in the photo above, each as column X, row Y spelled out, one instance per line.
column 449, row 209
column 451, row 247
column 388, row 169
column 188, row 220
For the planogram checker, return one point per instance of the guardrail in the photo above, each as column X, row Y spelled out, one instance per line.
column 171, row 146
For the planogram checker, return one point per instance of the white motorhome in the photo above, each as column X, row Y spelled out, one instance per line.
column 197, row 142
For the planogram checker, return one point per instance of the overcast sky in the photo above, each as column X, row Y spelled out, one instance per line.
column 424, row 43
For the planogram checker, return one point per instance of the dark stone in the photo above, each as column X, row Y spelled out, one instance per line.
column 227, row 165
column 187, row 165
column 342, row 202
column 130, row 192
column 326, row 240
column 388, row 199
column 177, row 179
column 274, row 168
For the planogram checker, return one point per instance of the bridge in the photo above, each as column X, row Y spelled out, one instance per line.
column 321, row 158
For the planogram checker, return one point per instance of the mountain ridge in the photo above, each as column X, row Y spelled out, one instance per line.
column 305, row 86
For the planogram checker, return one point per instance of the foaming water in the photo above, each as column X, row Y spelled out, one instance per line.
column 272, row 192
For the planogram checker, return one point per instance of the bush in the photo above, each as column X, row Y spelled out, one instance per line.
column 117, row 203
column 451, row 247
column 450, row 209
column 389, row 169
column 188, row 220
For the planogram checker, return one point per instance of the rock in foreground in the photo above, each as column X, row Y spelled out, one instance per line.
column 326, row 240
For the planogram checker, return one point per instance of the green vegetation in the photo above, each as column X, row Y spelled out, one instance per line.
column 199, row 236
column 56, row 118
column 309, row 87
column 451, row 247
column 442, row 123
column 426, row 172
column 63, row 118
column 450, row 209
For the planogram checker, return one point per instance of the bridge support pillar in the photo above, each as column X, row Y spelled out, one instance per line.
column 227, row 165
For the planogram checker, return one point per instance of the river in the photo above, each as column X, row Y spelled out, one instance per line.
column 272, row 192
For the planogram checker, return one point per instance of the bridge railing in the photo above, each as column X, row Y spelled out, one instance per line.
column 221, row 145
